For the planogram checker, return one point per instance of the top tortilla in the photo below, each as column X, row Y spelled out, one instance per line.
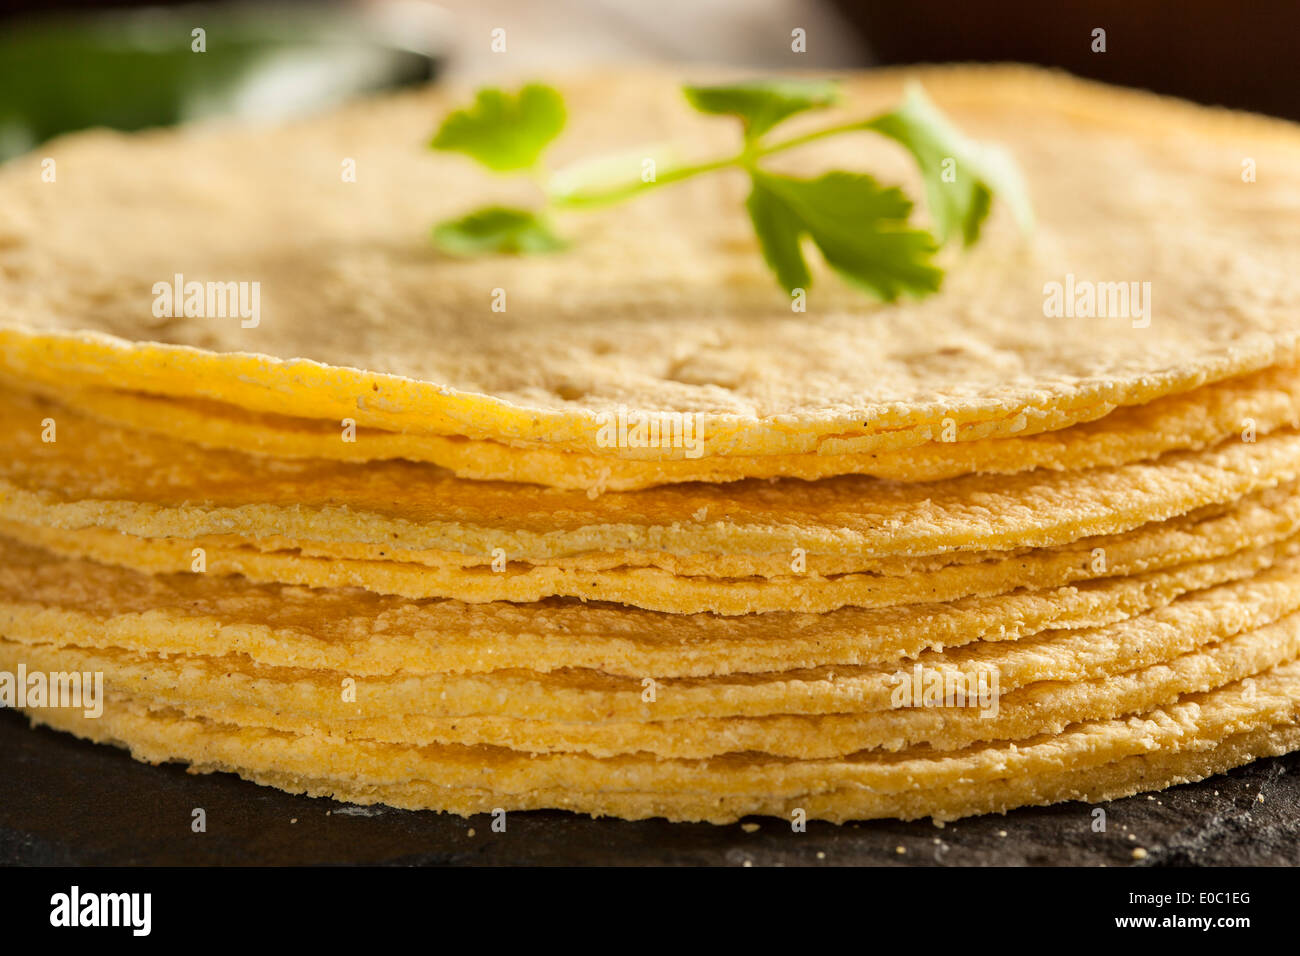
column 662, row 304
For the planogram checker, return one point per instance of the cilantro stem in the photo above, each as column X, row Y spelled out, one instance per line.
column 744, row 159
column 816, row 134
column 589, row 199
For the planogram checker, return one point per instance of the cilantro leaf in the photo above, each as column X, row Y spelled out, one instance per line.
column 496, row 229
column 780, row 232
column 960, row 174
column 860, row 227
column 504, row 132
column 761, row 104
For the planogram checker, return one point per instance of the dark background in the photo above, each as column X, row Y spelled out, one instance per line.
column 1243, row 55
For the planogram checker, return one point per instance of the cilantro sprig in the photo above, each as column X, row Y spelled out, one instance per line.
column 862, row 228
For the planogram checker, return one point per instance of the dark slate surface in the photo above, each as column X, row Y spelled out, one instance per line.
column 65, row 801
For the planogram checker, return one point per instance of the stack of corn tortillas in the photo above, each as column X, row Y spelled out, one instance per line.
column 616, row 530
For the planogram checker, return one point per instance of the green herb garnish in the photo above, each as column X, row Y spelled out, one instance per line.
column 505, row 133
column 496, row 229
column 861, row 227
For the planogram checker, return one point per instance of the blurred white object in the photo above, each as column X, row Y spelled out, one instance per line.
column 572, row 34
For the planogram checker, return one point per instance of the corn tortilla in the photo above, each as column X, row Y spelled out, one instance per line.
column 575, row 695
column 48, row 599
column 1254, row 718
column 166, row 488
column 1035, row 709
column 640, row 314
column 1205, row 416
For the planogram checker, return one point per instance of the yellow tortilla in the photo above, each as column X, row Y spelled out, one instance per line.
column 1265, row 519
column 1136, row 774
column 1102, row 759
column 166, row 488
column 360, row 318
column 1257, row 404
column 574, row 695
column 1035, row 709
column 53, row 600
